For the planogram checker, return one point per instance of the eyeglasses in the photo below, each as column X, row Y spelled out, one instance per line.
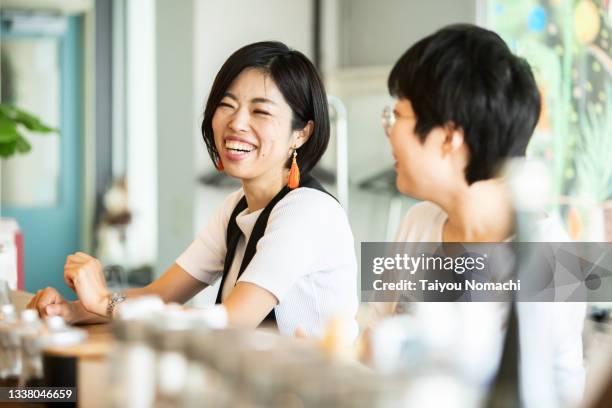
column 389, row 117
column 388, row 120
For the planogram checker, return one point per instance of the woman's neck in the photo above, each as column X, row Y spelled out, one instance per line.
column 261, row 190
column 480, row 212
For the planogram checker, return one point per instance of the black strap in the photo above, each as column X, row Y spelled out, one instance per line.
column 233, row 234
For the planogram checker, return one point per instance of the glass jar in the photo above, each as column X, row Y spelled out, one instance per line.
column 32, row 340
column 10, row 364
column 168, row 341
column 132, row 364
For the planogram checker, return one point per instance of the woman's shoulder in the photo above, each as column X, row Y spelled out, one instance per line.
column 423, row 213
column 420, row 220
column 423, row 210
column 311, row 200
column 310, row 206
column 303, row 202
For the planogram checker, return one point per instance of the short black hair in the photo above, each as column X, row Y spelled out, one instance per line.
column 299, row 83
column 467, row 76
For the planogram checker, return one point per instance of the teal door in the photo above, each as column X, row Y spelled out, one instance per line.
column 41, row 73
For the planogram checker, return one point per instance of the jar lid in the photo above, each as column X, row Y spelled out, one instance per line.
column 8, row 311
column 29, row 316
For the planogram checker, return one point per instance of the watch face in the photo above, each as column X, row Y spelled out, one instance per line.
column 116, row 298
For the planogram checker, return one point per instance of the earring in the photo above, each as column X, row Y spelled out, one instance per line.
column 294, row 173
column 219, row 164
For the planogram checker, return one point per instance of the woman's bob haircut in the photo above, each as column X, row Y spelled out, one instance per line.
column 299, row 83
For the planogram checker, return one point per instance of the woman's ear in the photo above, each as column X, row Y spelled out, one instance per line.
column 304, row 134
column 454, row 138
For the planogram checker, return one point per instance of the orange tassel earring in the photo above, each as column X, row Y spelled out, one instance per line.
column 294, row 173
column 219, row 164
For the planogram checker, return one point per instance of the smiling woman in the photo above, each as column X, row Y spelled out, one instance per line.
column 271, row 89
column 283, row 252
column 250, row 155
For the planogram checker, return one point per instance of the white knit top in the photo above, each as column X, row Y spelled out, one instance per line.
column 306, row 259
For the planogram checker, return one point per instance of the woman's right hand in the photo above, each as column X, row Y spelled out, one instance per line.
column 84, row 274
column 49, row 302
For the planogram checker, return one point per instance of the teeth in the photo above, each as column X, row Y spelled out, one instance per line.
column 240, row 146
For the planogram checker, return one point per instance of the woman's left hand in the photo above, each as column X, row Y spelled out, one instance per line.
column 84, row 274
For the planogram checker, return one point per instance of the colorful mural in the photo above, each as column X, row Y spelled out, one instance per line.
column 568, row 44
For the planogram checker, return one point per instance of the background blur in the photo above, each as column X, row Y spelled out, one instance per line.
column 127, row 176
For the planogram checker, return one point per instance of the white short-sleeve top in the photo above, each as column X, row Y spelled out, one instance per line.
column 550, row 334
column 306, row 259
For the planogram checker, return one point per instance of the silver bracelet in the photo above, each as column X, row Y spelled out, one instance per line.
column 115, row 299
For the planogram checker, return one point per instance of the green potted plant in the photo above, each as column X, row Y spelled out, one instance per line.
column 12, row 122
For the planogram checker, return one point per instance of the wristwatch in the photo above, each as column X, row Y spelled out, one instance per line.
column 115, row 299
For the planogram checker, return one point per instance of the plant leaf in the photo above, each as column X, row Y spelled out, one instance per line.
column 22, row 145
column 8, row 131
column 7, row 149
column 31, row 122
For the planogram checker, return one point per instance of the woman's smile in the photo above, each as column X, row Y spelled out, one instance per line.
column 237, row 149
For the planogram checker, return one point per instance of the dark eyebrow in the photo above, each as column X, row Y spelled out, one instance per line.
column 254, row 100
column 230, row 95
column 263, row 100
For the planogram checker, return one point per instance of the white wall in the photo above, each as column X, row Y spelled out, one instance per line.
column 175, row 126
column 141, row 132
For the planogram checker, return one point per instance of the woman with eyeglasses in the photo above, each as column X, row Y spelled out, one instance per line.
column 281, row 245
column 465, row 104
